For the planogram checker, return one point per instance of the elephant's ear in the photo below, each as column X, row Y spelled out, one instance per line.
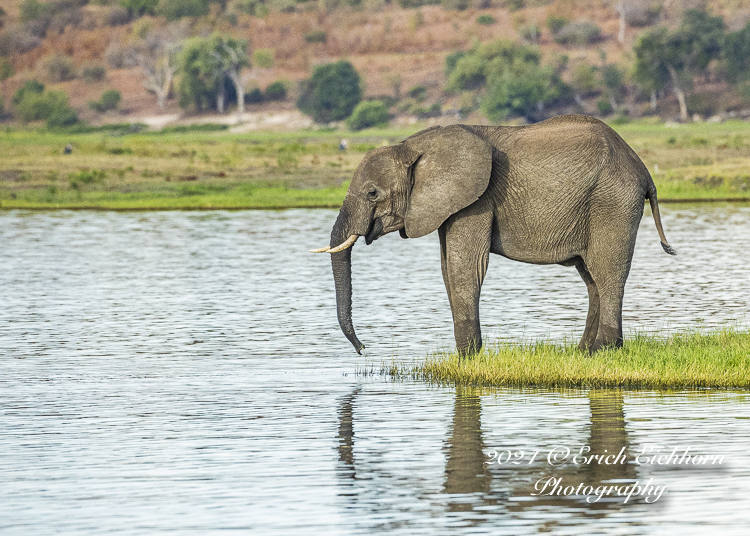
column 451, row 169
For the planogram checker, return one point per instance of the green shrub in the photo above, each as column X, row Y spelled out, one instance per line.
column 59, row 68
column 486, row 20
column 433, row 111
column 458, row 5
column 388, row 100
column 530, row 32
column 317, row 36
column 276, row 91
column 515, row 5
column 418, row 93
column 332, row 92
column 35, row 106
column 417, row 3
column 256, row 8
column 578, row 33
column 33, row 103
column 30, row 10
column 467, row 103
column 368, row 114
column 87, row 176
column 31, row 86
column 556, row 23
column 621, row 119
column 264, row 58
column 63, row 117
column 199, row 127
column 451, row 60
column 109, row 100
column 604, row 107
column 254, row 96
column 177, row 9
column 93, row 73
column 138, row 8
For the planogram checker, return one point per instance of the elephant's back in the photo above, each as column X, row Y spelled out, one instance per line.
column 550, row 178
column 573, row 150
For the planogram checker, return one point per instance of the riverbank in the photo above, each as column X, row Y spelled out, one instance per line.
column 204, row 167
column 682, row 360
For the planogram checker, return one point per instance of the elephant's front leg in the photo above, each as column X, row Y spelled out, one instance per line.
column 465, row 248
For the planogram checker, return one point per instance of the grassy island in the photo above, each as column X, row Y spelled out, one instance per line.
column 681, row 360
column 203, row 167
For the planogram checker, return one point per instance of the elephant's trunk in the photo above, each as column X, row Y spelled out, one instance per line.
column 341, row 263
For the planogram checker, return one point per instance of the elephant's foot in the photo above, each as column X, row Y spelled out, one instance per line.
column 608, row 338
column 587, row 341
column 469, row 348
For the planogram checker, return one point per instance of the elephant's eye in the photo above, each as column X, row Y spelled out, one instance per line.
column 372, row 194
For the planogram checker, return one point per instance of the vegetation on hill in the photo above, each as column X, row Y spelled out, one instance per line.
column 488, row 59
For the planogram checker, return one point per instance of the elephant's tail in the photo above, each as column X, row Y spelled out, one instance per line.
column 651, row 196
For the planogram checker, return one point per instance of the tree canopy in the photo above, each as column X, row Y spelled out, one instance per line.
column 675, row 58
column 512, row 76
column 331, row 93
column 210, row 69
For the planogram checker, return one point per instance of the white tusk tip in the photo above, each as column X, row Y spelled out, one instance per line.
column 345, row 245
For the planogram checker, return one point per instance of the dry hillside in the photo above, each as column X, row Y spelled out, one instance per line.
column 393, row 48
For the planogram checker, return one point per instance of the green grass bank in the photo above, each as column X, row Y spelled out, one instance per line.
column 207, row 167
column 682, row 360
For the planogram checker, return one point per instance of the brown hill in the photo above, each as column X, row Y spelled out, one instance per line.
column 393, row 48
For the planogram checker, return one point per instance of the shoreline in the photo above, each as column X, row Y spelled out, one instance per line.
column 5, row 206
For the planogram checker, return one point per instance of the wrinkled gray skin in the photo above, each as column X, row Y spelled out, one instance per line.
column 564, row 191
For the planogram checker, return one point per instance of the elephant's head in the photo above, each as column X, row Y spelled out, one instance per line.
column 412, row 187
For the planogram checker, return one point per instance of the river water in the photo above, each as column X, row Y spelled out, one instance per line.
column 184, row 372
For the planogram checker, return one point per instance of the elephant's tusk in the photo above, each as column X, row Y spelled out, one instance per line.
column 349, row 243
column 320, row 250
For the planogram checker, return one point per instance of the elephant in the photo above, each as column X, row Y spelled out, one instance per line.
column 566, row 191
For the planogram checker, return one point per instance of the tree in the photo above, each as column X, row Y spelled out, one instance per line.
column 331, row 93
column 736, row 51
column 583, row 81
column 512, row 74
column 157, row 56
column 471, row 69
column 6, row 71
column 230, row 56
column 210, row 67
column 613, row 79
column 674, row 59
column 522, row 88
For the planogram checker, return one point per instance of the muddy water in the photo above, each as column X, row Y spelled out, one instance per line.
column 184, row 372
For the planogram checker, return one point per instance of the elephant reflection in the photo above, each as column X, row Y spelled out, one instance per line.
column 468, row 478
column 466, row 474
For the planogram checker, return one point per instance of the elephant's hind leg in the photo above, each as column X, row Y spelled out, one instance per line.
column 609, row 272
column 465, row 249
column 592, row 319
